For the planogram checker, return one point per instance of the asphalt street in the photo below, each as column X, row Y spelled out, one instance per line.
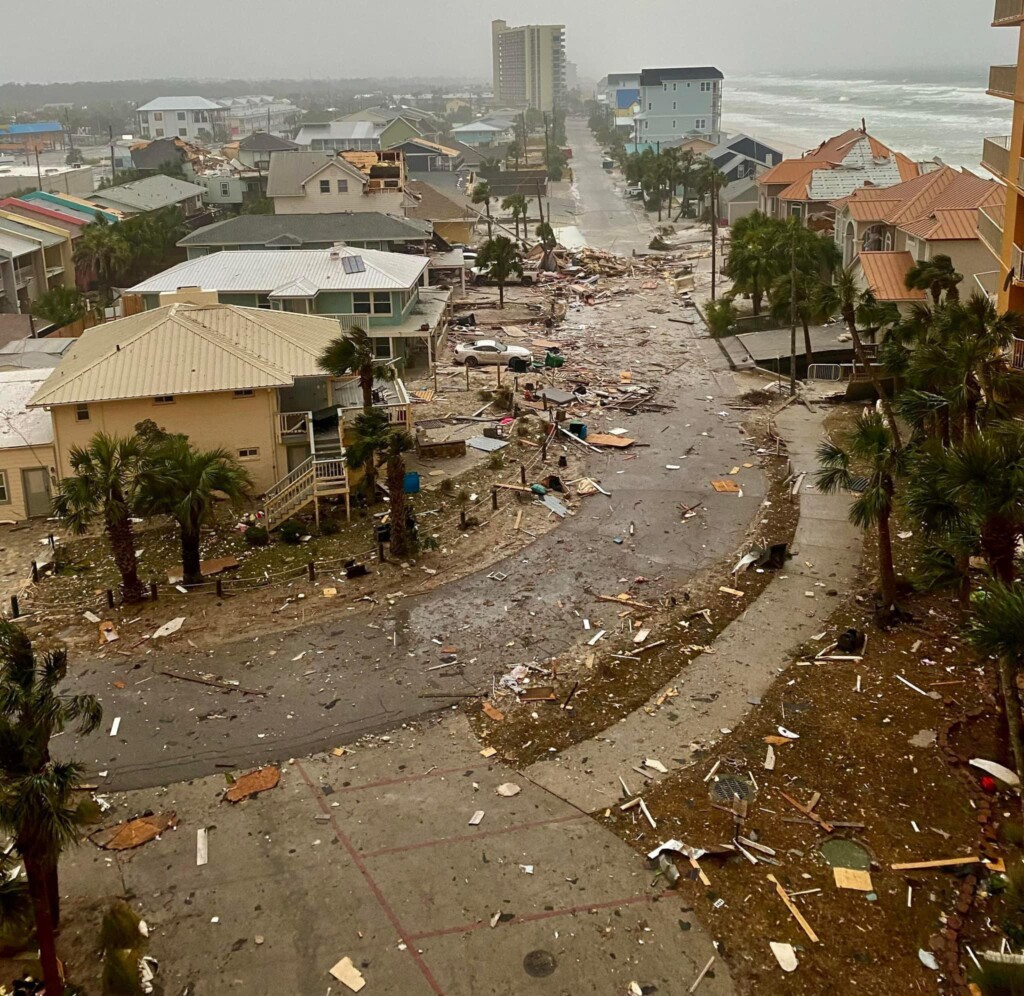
column 329, row 683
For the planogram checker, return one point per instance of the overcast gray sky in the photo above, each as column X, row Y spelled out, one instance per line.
column 120, row 39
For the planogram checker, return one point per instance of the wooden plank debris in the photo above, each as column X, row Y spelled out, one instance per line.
column 254, row 782
column 134, row 833
column 797, row 915
column 726, row 487
column 853, row 878
column 348, row 975
column 937, row 863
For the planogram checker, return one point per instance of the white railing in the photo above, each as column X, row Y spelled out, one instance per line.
column 292, row 424
column 331, row 474
column 288, row 481
column 398, row 415
column 827, row 371
column 1017, row 354
column 1017, row 261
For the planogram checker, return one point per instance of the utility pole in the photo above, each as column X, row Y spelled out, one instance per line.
column 110, row 129
column 39, row 169
column 547, row 148
column 792, row 316
column 714, row 237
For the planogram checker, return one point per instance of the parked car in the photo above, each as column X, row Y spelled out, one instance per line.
column 490, row 352
column 482, row 275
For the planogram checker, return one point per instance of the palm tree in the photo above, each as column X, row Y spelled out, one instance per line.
column 100, row 253
column 670, row 161
column 519, row 207
column 687, row 167
column 397, row 443
column 104, row 484
column 61, row 306
column 353, row 353
column 937, row 276
column 482, row 195
column 500, row 258
column 709, row 181
column 185, row 483
column 873, row 445
column 38, row 807
column 514, row 151
column 843, row 295
column 753, row 257
column 998, row 630
column 371, row 431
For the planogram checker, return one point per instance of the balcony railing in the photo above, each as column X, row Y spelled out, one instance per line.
column 1017, row 354
column 1008, row 12
column 988, row 284
column 294, row 425
column 1017, row 261
column 995, row 154
column 991, row 233
column 1002, row 81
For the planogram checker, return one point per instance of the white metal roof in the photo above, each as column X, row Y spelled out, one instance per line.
column 181, row 104
column 189, row 349
column 264, row 271
column 21, row 426
column 343, row 130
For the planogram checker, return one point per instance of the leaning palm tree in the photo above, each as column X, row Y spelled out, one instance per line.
column 499, row 257
column 104, row 486
column 352, row 353
column 482, row 195
column 873, row 446
column 397, row 444
column 998, row 630
column 100, row 254
column 938, row 276
column 842, row 295
column 39, row 806
column 186, row 483
column 371, row 430
column 518, row 206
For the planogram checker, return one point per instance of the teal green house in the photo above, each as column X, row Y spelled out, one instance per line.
column 384, row 293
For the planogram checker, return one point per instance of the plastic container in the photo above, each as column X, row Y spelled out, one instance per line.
column 578, row 428
column 411, row 484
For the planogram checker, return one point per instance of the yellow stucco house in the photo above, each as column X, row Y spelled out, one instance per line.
column 245, row 379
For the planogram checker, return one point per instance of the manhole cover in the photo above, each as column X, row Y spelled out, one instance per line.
column 727, row 787
column 540, row 964
column 841, row 853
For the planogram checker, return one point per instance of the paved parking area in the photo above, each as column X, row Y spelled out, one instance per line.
column 371, row 855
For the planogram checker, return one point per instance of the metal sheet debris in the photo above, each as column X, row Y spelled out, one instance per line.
column 486, row 444
column 169, row 627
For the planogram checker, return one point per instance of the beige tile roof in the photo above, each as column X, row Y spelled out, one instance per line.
column 885, row 274
column 188, row 349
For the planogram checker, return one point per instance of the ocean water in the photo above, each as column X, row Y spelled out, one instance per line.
column 942, row 113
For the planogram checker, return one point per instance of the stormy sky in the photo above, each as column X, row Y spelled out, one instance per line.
column 120, row 39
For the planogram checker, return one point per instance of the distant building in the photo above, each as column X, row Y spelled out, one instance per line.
column 529, row 65
column 255, row 150
column 325, row 183
column 193, row 118
column 355, row 136
column 61, row 179
column 257, row 112
column 484, row 134
column 677, row 103
column 34, row 136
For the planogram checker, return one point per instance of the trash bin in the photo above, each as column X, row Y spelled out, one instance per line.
column 578, row 428
column 518, row 365
column 411, row 484
column 554, row 360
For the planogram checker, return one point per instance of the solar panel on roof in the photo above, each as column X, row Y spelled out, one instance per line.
column 353, row 264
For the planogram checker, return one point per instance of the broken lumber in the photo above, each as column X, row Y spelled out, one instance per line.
column 797, row 915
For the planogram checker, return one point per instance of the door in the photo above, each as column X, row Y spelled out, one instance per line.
column 35, row 482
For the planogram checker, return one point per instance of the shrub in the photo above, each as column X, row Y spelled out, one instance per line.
column 495, row 461
column 292, row 531
column 447, row 486
column 257, row 536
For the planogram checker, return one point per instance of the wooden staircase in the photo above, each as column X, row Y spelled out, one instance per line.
column 319, row 476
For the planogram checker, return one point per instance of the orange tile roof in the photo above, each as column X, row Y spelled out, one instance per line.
column 946, row 224
column 885, row 274
column 789, row 171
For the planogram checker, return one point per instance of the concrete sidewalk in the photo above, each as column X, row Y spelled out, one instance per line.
column 715, row 688
column 371, row 856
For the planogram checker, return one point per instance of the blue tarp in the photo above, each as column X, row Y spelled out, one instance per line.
column 626, row 98
column 34, row 128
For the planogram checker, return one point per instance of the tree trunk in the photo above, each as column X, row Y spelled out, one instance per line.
column 886, row 569
column 1011, row 703
column 756, row 297
column 808, row 351
column 366, row 386
column 963, row 568
column 396, row 487
column 501, row 293
column 53, row 892
column 122, row 546
column 191, row 572
column 999, row 544
column 490, row 223
column 52, row 975
column 858, row 348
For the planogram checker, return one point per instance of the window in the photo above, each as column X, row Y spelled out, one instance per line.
column 81, row 413
column 183, row 132
column 343, row 186
column 377, row 303
column 225, row 189
column 664, row 88
column 164, row 399
column 5, row 495
column 701, row 123
column 647, row 124
column 181, row 116
column 263, row 301
column 673, row 90
column 158, row 115
column 673, row 126
column 382, row 348
column 707, row 87
column 245, row 392
column 325, row 186
column 650, row 105
column 159, row 133
column 249, row 453
column 673, row 105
